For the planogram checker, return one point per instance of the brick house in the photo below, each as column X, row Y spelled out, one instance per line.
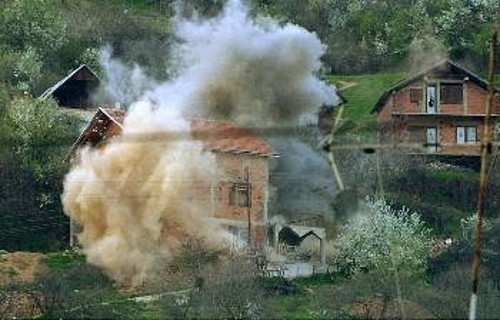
column 441, row 109
column 239, row 196
column 75, row 89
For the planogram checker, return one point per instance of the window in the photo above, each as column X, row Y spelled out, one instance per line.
column 431, row 101
column 415, row 95
column 239, row 195
column 240, row 236
column 417, row 134
column 432, row 140
column 452, row 93
column 466, row 135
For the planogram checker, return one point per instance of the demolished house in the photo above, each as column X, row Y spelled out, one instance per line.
column 239, row 197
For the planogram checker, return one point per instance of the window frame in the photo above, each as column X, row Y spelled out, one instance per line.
column 446, row 97
column 239, row 195
column 466, row 131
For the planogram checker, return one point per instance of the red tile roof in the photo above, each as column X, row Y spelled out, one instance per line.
column 226, row 137
column 219, row 136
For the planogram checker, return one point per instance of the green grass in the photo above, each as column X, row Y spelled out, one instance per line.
column 362, row 92
column 445, row 176
column 63, row 260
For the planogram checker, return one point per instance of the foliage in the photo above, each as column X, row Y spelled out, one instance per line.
column 31, row 24
column 36, row 140
column 80, row 292
column 91, row 57
column 461, row 251
column 229, row 288
column 28, row 69
column 383, row 240
column 41, row 130
column 441, row 195
column 63, row 260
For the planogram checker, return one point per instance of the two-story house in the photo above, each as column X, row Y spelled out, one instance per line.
column 441, row 109
column 238, row 197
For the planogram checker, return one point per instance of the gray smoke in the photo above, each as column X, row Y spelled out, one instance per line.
column 302, row 181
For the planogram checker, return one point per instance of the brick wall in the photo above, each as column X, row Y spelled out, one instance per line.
column 474, row 104
column 231, row 169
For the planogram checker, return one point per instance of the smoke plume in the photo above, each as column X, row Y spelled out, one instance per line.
column 135, row 199
column 301, row 179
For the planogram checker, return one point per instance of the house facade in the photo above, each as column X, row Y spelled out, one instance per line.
column 438, row 111
column 237, row 198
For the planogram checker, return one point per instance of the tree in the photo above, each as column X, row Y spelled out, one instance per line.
column 381, row 249
column 37, row 139
column 31, row 23
column 383, row 238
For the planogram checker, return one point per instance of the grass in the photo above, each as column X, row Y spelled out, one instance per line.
column 362, row 92
column 63, row 260
column 445, row 176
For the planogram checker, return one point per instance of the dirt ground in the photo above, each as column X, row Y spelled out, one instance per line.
column 372, row 309
column 18, row 268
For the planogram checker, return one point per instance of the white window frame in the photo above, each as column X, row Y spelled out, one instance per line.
column 464, row 134
column 431, row 89
column 432, row 146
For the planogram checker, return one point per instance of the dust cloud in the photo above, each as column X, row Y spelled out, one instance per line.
column 136, row 199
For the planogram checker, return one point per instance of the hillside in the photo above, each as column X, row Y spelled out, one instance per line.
column 362, row 92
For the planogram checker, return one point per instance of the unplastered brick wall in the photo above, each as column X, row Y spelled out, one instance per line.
column 242, row 169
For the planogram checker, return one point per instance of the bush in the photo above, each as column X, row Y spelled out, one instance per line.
column 229, row 288
column 80, row 292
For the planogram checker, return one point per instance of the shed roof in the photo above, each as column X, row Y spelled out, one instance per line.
column 218, row 136
column 443, row 65
column 67, row 78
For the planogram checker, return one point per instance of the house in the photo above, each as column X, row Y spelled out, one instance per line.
column 75, row 90
column 440, row 111
column 238, row 198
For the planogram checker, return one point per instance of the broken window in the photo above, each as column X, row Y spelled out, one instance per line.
column 466, row 134
column 239, row 195
column 415, row 95
column 452, row 93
